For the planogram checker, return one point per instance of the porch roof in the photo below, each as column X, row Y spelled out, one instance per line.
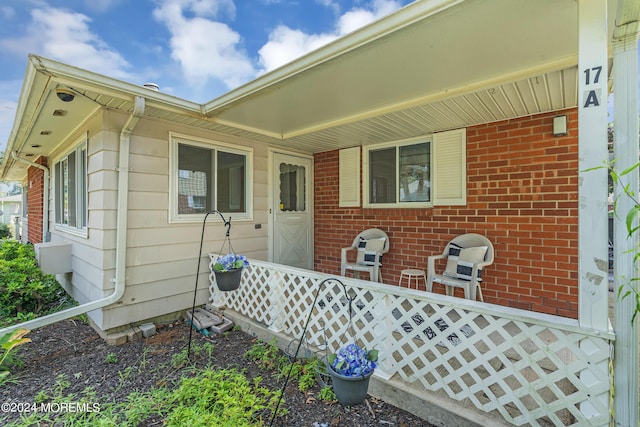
column 431, row 66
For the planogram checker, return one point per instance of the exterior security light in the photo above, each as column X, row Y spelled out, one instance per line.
column 65, row 95
column 560, row 126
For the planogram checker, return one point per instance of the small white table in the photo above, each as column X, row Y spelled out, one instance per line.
column 416, row 275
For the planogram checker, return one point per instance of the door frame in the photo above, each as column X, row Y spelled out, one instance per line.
column 270, row 196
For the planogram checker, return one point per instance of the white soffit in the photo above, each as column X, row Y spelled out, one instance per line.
column 474, row 62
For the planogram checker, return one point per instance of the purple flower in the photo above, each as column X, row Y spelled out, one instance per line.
column 352, row 361
column 230, row 262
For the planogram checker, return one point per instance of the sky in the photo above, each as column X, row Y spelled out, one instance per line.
column 193, row 49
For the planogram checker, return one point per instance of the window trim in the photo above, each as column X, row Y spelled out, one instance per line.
column 79, row 146
column 396, row 144
column 214, row 145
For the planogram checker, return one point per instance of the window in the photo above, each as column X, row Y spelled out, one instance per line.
column 206, row 177
column 399, row 174
column 292, row 188
column 421, row 172
column 70, row 188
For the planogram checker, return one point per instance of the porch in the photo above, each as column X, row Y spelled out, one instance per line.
column 438, row 354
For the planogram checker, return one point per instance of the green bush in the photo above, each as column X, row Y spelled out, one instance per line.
column 8, row 342
column 25, row 291
column 5, row 231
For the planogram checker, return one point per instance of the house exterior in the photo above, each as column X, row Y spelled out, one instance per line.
column 521, row 192
column 492, row 163
column 462, row 93
column 11, row 207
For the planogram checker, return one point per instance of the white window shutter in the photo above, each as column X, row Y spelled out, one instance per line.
column 450, row 167
column 350, row 177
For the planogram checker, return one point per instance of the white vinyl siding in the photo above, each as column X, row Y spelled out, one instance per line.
column 70, row 189
column 350, row 177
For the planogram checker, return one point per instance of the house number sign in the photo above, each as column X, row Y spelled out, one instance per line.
column 592, row 97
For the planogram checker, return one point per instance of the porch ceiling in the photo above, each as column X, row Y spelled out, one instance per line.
column 429, row 67
column 433, row 65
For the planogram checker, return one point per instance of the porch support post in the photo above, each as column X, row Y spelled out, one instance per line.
column 626, row 154
column 593, row 292
column 592, row 152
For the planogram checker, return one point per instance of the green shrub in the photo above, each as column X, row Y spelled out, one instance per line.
column 111, row 358
column 5, row 231
column 8, row 342
column 25, row 291
column 10, row 250
column 220, row 398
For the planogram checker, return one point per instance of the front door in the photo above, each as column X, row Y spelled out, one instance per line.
column 292, row 208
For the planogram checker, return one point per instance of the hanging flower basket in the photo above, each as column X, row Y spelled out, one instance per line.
column 349, row 390
column 228, row 271
column 350, row 369
column 228, row 280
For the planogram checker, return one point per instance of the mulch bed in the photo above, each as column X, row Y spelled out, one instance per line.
column 73, row 349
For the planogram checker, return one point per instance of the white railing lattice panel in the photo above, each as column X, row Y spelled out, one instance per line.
column 523, row 367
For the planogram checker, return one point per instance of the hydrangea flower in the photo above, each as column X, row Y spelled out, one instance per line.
column 352, row 361
column 230, row 262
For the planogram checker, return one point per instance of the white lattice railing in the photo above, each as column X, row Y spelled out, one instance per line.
column 523, row 367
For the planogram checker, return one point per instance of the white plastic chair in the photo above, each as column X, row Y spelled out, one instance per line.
column 371, row 244
column 465, row 274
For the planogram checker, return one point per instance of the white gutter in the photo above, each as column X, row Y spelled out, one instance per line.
column 121, row 234
column 45, row 201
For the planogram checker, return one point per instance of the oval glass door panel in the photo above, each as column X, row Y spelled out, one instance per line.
column 293, row 227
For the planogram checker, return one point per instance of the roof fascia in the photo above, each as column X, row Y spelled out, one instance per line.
column 28, row 85
column 73, row 76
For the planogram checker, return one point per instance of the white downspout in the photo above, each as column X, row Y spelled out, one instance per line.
column 45, row 201
column 121, row 234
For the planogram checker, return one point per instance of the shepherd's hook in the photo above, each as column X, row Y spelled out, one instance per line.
column 227, row 223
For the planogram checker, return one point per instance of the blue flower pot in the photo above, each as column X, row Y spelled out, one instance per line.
column 349, row 390
column 228, row 280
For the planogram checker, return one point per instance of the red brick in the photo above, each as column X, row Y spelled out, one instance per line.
column 522, row 193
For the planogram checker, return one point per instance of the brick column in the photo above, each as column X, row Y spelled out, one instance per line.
column 35, row 201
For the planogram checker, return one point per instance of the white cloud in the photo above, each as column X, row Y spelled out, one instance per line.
column 101, row 5
column 65, row 36
column 7, row 114
column 359, row 17
column 330, row 4
column 286, row 44
column 205, row 48
column 173, row 11
column 7, row 108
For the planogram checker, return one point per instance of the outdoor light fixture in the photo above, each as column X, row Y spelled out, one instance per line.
column 65, row 95
column 559, row 125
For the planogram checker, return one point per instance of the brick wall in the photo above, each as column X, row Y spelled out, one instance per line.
column 35, row 198
column 522, row 192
